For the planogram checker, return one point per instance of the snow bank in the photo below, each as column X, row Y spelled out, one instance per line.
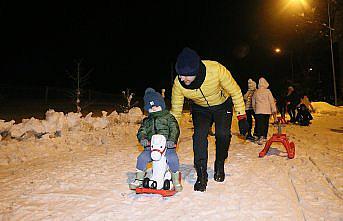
column 56, row 123
column 5, row 126
column 326, row 108
column 33, row 138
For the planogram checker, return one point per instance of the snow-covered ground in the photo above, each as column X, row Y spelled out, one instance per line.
column 84, row 173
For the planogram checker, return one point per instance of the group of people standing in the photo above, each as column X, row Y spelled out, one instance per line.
column 259, row 104
column 214, row 96
column 298, row 107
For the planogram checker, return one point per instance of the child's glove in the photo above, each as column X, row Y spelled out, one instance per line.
column 170, row 144
column 144, row 142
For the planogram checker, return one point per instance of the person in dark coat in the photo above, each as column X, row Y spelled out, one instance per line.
column 304, row 116
column 281, row 106
column 292, row 101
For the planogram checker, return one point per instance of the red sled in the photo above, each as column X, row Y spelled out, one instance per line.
column 282, row 138
column 164, row 193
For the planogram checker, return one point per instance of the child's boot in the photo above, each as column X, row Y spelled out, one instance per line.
column 176, row 178
column 262, row 140
column 250, row 137
column 138, row 181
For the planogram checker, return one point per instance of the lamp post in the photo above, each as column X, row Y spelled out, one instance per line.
column 332, row 57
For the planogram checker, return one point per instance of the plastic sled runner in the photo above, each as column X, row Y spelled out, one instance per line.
column 282, row 138
column 162, row 192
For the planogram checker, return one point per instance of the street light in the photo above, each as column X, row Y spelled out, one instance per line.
column 295, row 5
column 303, row 3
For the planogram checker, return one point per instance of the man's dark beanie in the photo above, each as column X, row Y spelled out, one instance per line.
column 187, row 62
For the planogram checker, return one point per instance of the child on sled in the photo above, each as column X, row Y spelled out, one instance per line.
column 159, row 121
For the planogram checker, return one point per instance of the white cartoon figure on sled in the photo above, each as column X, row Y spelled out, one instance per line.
column 161, row 176
column 160, row 181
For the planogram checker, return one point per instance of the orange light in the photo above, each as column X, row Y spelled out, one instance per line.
column 277, row 50
column 295, row 5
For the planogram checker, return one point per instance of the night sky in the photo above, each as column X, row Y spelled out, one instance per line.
column 135, row 44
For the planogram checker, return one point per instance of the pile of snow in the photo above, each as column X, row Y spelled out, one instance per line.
column 59, row 132
column 57, row 123
column 326, row 108
column 97, row 122
column 5, row 127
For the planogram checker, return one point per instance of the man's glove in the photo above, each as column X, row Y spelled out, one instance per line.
column 170, row 144
column 243, row 124
column 144, row 142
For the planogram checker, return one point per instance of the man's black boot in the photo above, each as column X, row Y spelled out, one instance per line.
column 201, row 183
column 219, row 174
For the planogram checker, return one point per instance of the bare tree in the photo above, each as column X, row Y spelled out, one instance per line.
column 80, row 79
column 128, row 96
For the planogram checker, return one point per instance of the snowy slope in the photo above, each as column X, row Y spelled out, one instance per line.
column 84, row 175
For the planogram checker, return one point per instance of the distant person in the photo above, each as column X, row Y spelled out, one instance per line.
column 306, row 101
column 159, row 121
column 214, row 94
column 304, row 116
column 264, row 105
column 292, row 101
column 249, row 110
column 281, row 106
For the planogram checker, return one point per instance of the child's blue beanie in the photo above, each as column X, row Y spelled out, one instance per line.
column 153, row 98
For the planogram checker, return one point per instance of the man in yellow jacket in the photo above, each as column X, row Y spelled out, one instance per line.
column 214, row 93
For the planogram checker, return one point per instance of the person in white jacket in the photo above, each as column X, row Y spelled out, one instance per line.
column 264, row 105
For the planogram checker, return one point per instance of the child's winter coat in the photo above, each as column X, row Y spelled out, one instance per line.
column 263, row 101
column 248, row 95
column 161, row 122
column 304, row 116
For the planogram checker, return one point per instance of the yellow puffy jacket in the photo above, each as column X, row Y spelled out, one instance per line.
column 217, row 87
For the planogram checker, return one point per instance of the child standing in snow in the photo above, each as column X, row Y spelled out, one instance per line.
column 264, row 105
column 249, row 110
column 159, row 121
